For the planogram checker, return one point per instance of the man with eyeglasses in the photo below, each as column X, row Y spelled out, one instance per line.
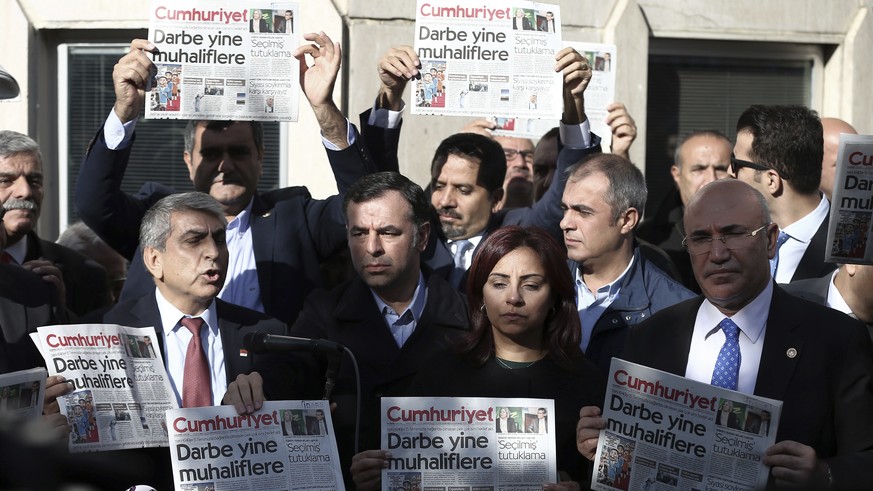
column 747, row 334
column 518, row 183
column 778, row 151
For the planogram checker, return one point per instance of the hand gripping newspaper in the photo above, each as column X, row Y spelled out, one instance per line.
column 121, row 387
column 223, row 59
column 288, row 445
column 21, row 397
column 849, row 228
column 668, row 432
column 468, row 443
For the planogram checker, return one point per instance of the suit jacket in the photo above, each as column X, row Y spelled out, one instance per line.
column 291, row 232
column 645, row 289
column 85, row 281
column 812, row 289
column 348, row 315
column 827, row 387
column 812, row 263
column 262, row 22
column 26, row 302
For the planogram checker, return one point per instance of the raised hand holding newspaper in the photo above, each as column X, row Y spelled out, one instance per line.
column 121, row 388
column 662, row 428
column 220, row 59
column 849, row 228
column 468, row 442
column 286, row 445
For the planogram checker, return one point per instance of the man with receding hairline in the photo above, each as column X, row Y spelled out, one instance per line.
column 832, row 128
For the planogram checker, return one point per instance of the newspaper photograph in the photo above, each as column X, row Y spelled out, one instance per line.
column 852, row 206
column 668, row 432
column 21, row 396
column 121, row 388
column 224, row 59
column 286, row 445
column 599, row 94
column 489, row 58
column 468, row 443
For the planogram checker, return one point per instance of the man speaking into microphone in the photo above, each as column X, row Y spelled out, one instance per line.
column 392, row 316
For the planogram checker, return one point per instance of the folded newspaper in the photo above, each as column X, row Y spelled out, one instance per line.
column 665, row 430
column 468, row 443
column 286, row 445
column 121, row 385
column 850, row 223
column 21, row 396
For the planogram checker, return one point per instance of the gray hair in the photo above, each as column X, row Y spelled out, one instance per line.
column 13, row 143
column 156, row 224
column 627, row 186
column 677, row 155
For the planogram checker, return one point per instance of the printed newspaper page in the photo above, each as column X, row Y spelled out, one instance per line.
column 487, row 58
column 222, row 59
column 852, row 206
column 121, row 386
column 468, row 443
column 286, row 445
column 669, row 432
column 599, row 94
column 21, row 396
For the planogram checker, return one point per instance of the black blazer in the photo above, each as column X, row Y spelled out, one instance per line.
column 812, row 263
column 291, row 232
column 827, row 387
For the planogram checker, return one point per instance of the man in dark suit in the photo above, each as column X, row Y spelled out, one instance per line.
column 83, row 282
column 276, row 239
column 823, row 375
column 468, row 170
column 285, row 24
column 778, row 151
column 394, row 315
column 847, row 290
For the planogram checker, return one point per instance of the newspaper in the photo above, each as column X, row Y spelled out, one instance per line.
column 486, row 58
column 665, row 430
column 468, row 443
column 286, row 445
column 121, row 386
column 21, row 396
column 599, row 94
column 222, row 59
column 852, row 205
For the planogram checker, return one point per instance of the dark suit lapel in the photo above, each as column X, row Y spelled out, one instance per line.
column 362, row 327
column 783, row 347
column 263, row 223
column 228, row 329
column 678, row 336
column 812, row 264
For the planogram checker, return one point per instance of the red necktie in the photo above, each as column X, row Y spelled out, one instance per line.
column 196, row 383
column 6, row 258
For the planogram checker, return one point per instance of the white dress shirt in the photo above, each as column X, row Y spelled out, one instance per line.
column 176, row 339
column 800, row 233
column 708, row 338
column 402, row 325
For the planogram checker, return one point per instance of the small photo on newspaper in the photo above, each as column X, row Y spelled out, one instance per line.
column 21, row 397
column 468, row 443
column 121, row 387
column 851, row 218
column 286, row 445
column 668, row 432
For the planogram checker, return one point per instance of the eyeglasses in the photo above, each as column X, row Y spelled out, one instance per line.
column 700, row 244
column 737, row 164
column 511, row 153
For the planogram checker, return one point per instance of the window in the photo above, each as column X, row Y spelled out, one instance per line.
column 707, row 86
column 85, row 98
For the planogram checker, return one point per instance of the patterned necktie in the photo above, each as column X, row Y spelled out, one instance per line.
column 727, row 365
column 196, row 382
column 461, row 248
column 774, row 263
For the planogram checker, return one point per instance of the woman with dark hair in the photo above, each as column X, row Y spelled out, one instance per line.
column 524, row 343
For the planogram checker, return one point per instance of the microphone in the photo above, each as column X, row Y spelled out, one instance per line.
column 261, row 342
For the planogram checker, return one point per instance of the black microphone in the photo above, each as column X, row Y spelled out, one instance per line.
column 261, row 342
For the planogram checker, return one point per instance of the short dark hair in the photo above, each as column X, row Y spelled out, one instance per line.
column 372, row 186
column 677, row 160
column 157, row 222
column 561, row 331
column 789, row 140
column 489, row 153
column 627, row 186
column 191, row 130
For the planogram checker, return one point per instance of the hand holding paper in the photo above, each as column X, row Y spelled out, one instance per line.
column 623, row 128
column 396, row 67
column 588, row 431
column 317, row 82
column 576, row 74
column 131, row 77
column 246, row 393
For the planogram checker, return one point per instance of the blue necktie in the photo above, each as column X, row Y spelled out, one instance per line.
column 461, row 248
column 727, row 365
column 774, row 263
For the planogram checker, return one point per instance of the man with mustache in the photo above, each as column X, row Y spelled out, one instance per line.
column 276, row 239
column 83, row 284
column 393, row 315
column 747, row 334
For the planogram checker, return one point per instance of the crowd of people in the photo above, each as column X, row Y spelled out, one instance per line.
column 520, row 270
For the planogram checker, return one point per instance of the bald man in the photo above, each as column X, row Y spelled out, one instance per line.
column 832, row 128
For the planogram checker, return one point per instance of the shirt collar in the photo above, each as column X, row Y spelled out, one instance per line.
column 806, row 227
column 243, row 220
column 751, row 319
column 170, row 315
column 419, row 299
column 18, row 250
column 474, row 240
column 835, row 299
column 610, row 290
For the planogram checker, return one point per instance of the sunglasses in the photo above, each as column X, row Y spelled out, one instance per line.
column 737, row 164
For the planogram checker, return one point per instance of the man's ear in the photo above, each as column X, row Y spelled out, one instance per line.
column 154, row 262
column 423, row 236
column 496, row 198
column 629, row 220
column 674, row 170
column 188, row 162
column 775, row 183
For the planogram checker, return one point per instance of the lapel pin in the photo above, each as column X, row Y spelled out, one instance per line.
column 265, row 215
column 791, row 352
column 243, row 352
